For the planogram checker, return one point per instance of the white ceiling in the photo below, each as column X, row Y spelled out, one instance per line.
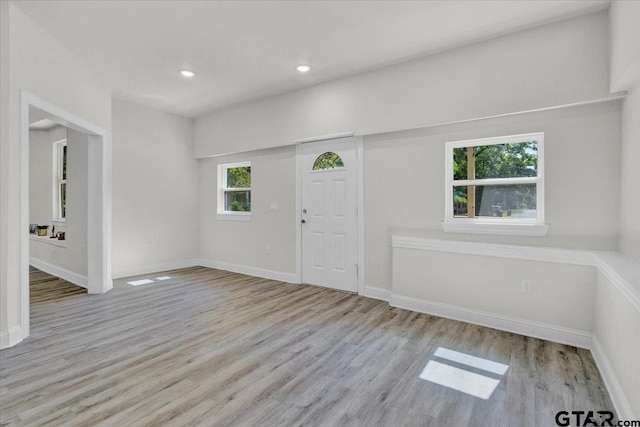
column 244, row 50
column 38, row 121
column 42, row 124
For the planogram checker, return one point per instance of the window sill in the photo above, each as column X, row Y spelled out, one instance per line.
column 49, row 241
column 234, row 216
column 536, row 230
column 59, row 221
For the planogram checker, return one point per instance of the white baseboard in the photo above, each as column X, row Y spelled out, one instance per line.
column 146, row 269
column 60, row 272
column 619, row 399
column 377, row 293
column 250, row 271
column 529, row 328
column 11, row 337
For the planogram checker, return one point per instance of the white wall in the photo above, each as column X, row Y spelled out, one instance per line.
column 617, row 331
column 40, row 65
column 630, row 176
column 72, row 257
column 404, row 182
column 242, row 243
column 155, row 190
column 562, row 295
column 6, row 257
column 560, row 63
column 624, row 19
column 625, row 75
column 403, row 185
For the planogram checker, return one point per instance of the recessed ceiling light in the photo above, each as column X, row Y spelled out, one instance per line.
column 187, row 73
column 303, row 68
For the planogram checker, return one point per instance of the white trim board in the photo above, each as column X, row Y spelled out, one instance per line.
column 11, row 337
column 328, row 137
column 251, row 271
column 377, row 293
column 623, row 273
column 477, row 227
column 529, row 253
column 612, row 98
column 619, row 399
column 529, row 328
column 155, row 268
column 63, row 273
column 361, row 246
column 298, row 188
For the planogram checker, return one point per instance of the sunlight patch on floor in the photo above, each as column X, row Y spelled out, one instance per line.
column 462, row 380
column 473, row 361
column 458, row 379
column 140, row 282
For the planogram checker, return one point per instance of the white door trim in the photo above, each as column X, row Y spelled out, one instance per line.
column 98, row 198
column 360, row 184
column 298, row 217
column 360, row 221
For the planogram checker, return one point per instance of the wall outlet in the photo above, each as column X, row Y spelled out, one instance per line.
column 267, row 250
column 525, row 286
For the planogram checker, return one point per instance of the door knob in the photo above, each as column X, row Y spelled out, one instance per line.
column 304, row 221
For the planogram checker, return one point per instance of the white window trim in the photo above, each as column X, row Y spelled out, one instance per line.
column 222, row 173
column 57, row 179
column 510, row 226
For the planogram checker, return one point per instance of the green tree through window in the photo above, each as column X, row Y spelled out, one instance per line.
column 237, row 193
column 328, row 160
column 496, row 161
column 239, row 177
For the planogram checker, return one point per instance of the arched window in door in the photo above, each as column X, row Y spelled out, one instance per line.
column 328, row 160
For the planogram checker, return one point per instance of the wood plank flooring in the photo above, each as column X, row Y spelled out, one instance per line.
column 214, row 348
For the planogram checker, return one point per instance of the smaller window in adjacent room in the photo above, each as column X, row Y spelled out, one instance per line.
column 496, row 185
column 234, row 190
column 60, row 181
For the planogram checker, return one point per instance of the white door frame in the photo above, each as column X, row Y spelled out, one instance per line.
column 360, row 222
column 98, row 198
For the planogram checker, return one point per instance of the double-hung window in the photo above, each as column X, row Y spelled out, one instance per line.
column 234, row 191
column 60, row 181
column 496, row 186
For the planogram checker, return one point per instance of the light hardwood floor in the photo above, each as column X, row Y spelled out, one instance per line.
column 209, row 347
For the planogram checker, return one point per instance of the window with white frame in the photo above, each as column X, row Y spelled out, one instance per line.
column 496, row 185
column 234, row 190
column 60, row 180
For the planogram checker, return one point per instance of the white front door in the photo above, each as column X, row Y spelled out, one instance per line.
column 329, row 214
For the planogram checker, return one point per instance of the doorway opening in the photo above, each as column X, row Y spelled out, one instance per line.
column 97, row 203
